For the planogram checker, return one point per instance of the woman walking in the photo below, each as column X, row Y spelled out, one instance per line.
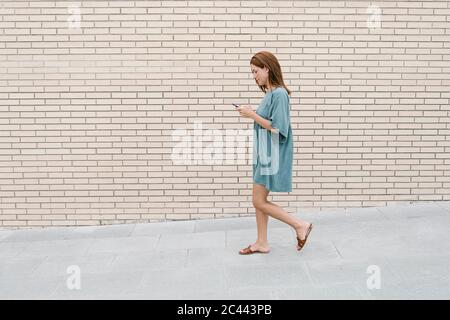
column 272, row 151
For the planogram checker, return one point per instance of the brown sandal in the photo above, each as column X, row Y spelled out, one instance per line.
column 249, row 250
column 301, row 243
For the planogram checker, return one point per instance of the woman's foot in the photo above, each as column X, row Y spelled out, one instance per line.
column 302, row 234
column 254, row 248
column 301, row 231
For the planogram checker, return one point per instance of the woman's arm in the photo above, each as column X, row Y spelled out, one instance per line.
column 248, row 112
column 266, row 124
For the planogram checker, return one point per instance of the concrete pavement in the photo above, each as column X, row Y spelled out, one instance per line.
column 393, row 252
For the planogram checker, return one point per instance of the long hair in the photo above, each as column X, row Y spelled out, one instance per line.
column 266, row 59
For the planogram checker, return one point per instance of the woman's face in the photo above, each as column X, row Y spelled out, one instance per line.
column 261, row 75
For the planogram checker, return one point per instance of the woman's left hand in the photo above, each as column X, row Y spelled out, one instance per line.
column 246, row 111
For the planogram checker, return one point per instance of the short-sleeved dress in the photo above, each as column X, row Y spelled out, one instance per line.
column 273, row 152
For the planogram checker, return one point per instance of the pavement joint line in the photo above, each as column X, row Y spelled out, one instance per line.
column 226, row 239
column 158, row 241
column 308, row 273
column 195, row 226
column 334, row 245
column 443, row 208
column 187, row 258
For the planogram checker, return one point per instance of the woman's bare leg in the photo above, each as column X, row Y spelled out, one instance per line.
column 262, row 219
column 277, row 212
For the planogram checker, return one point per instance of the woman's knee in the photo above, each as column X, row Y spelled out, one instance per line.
column 259, row 203
column 259, row 198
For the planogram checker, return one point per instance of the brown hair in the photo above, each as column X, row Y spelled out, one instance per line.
column 266, row 59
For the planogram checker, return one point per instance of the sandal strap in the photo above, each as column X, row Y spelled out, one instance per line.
column 247, row 250
column 301, row 242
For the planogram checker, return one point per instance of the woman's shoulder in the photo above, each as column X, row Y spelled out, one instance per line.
column 280, row 91
column 280, row 94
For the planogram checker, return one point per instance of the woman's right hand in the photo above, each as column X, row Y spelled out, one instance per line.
column 246, row 111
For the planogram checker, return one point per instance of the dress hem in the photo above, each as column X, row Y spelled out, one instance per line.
column 272, row 190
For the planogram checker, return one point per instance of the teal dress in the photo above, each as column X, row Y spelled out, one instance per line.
column 273, row 152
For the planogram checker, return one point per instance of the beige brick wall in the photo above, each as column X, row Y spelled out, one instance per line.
column 94, row 93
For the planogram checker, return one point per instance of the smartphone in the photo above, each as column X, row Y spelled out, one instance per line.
column 236, row 105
